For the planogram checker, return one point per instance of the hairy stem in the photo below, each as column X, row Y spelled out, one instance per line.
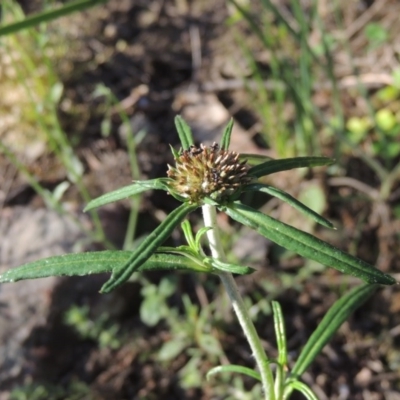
column 209, row 216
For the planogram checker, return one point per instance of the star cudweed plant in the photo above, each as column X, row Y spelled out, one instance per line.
column 213, row 178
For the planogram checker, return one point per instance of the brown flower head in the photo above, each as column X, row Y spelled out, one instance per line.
column 207, row 171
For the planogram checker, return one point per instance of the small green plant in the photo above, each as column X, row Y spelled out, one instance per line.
column 376, row 35
column 374, row 138
column 100, row 329
column 74, row 391
column 380, row 131
column 192, row 335
column 213, row 178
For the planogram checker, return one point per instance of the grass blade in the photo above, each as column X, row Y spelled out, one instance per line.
column 305, row 244
column 147, row 247
column 49, row 15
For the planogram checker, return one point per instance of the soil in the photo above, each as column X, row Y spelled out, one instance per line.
column 160, row 59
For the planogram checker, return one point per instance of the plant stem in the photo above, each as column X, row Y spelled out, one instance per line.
column 209, row 216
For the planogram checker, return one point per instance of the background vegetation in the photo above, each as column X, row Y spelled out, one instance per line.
column 87, row 105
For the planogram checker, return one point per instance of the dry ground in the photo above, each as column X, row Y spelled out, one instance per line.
column 161, row 58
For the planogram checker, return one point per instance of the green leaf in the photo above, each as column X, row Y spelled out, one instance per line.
column 304, row 389
column 152, row 308
column 127, row 191
column 226, row 136
column 98, row 262
column 188, row 232
column 273, row 166
column 199, row 235
column 174, row 152
column 332, row 321
column 209, row 343
column 254, row 159
column 305, row 244
column 218, row 265
column 206, row 264
column 199, row 263
column 184, row 132
column 280, row 194
column 148, row 246
column 172, row 349
column 233, row 368
column 279, row 324
column 281, row 364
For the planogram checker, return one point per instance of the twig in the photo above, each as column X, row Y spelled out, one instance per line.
column 355, row 184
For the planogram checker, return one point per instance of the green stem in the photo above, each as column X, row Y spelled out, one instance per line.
column 209, row 216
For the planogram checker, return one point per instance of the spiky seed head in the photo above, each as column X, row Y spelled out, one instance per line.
column 207, row 171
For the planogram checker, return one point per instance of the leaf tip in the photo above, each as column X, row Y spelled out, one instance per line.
column 331, row 226
column 105, row 288
column 387, row 280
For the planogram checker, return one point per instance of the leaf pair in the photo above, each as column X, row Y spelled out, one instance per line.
column 143, row 257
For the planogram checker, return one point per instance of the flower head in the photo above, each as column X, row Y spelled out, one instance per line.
column 207, row 171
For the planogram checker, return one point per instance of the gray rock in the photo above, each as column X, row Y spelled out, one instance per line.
column 26, row 235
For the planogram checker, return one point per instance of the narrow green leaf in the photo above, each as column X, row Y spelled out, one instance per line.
column 199, row 236
column 305, row 244
column 226, row 136
column 184, row 132
column 98, row 262
column 206, row 264
column 199, row 263
column 273, row 166
column 280, row 333
column 147, row 247
column 169, row 262
column 254, row 159
column 211, row 202
column 48, row 15
column 127, row 191
column 232, row 268
column 188, row 233
column 246, row 14
column 280, row 194
column 173, row 348
column 304, row 389
column 334, row 318
column 281, row 365
column 174, row 152
column 233, row 368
